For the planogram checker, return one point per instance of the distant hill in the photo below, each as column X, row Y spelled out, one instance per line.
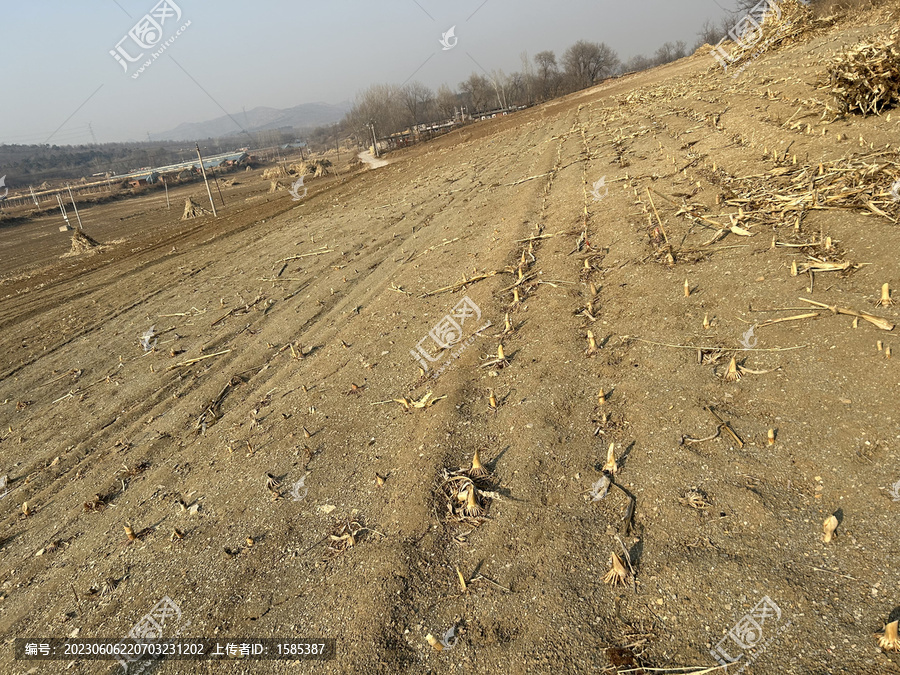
column 259, row 119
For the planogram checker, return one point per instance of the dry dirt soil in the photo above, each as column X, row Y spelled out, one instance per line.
column 283, row 337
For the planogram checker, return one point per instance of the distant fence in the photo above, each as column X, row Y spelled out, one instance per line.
column 48, row 197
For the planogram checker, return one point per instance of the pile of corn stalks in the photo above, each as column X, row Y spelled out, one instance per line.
column 788, row 192
column 767, row 26
column 866, row 77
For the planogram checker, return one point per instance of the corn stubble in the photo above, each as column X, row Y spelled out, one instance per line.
column 468, row 492
column 618, row 574
column 342, row 538
column 828, row 528
column 889, row 640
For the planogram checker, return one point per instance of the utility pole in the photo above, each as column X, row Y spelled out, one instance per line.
column 74, row 207
column 219, row 189
column 91, row 129
column 374, row 139
column 167, row 193
column 208, row 191
column 33, row 197
column 62, row 208
column 336, row 148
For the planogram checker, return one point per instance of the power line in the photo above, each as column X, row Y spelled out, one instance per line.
column 38, row 138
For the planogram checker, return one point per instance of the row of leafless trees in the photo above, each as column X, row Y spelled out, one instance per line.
column 394, row 108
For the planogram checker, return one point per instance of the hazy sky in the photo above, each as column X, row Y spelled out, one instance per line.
column 58, row 75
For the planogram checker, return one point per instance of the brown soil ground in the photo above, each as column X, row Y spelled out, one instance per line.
column 86, row 412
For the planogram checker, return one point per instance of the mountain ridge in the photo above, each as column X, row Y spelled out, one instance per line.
column 261, row 118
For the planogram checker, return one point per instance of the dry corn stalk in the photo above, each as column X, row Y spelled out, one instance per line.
column 425, row 402
column 866, row 77
column 462, row 579
column 732, row 374
column 828, row 528
column 499, row 361
column 611, row 466
column 465, row 495
column 592, row 344
column 343, row 537
column 889, row 640
column 776, row 24
column 472, row 509
column 883, row 324
column 617, row 573
column 477, row 469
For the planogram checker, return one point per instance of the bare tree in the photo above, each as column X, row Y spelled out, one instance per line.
column 710, row 33
column 499, row 81
column 382, row 105
column 587, row 62
column 637, row 63
column 670, row 51
column 547, row 74
column 446, row 102
column 518, row 90
column 417, row 98
column 525, row 82
column 476, row 91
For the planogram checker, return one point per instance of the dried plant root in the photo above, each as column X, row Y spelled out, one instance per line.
column 617, row 574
